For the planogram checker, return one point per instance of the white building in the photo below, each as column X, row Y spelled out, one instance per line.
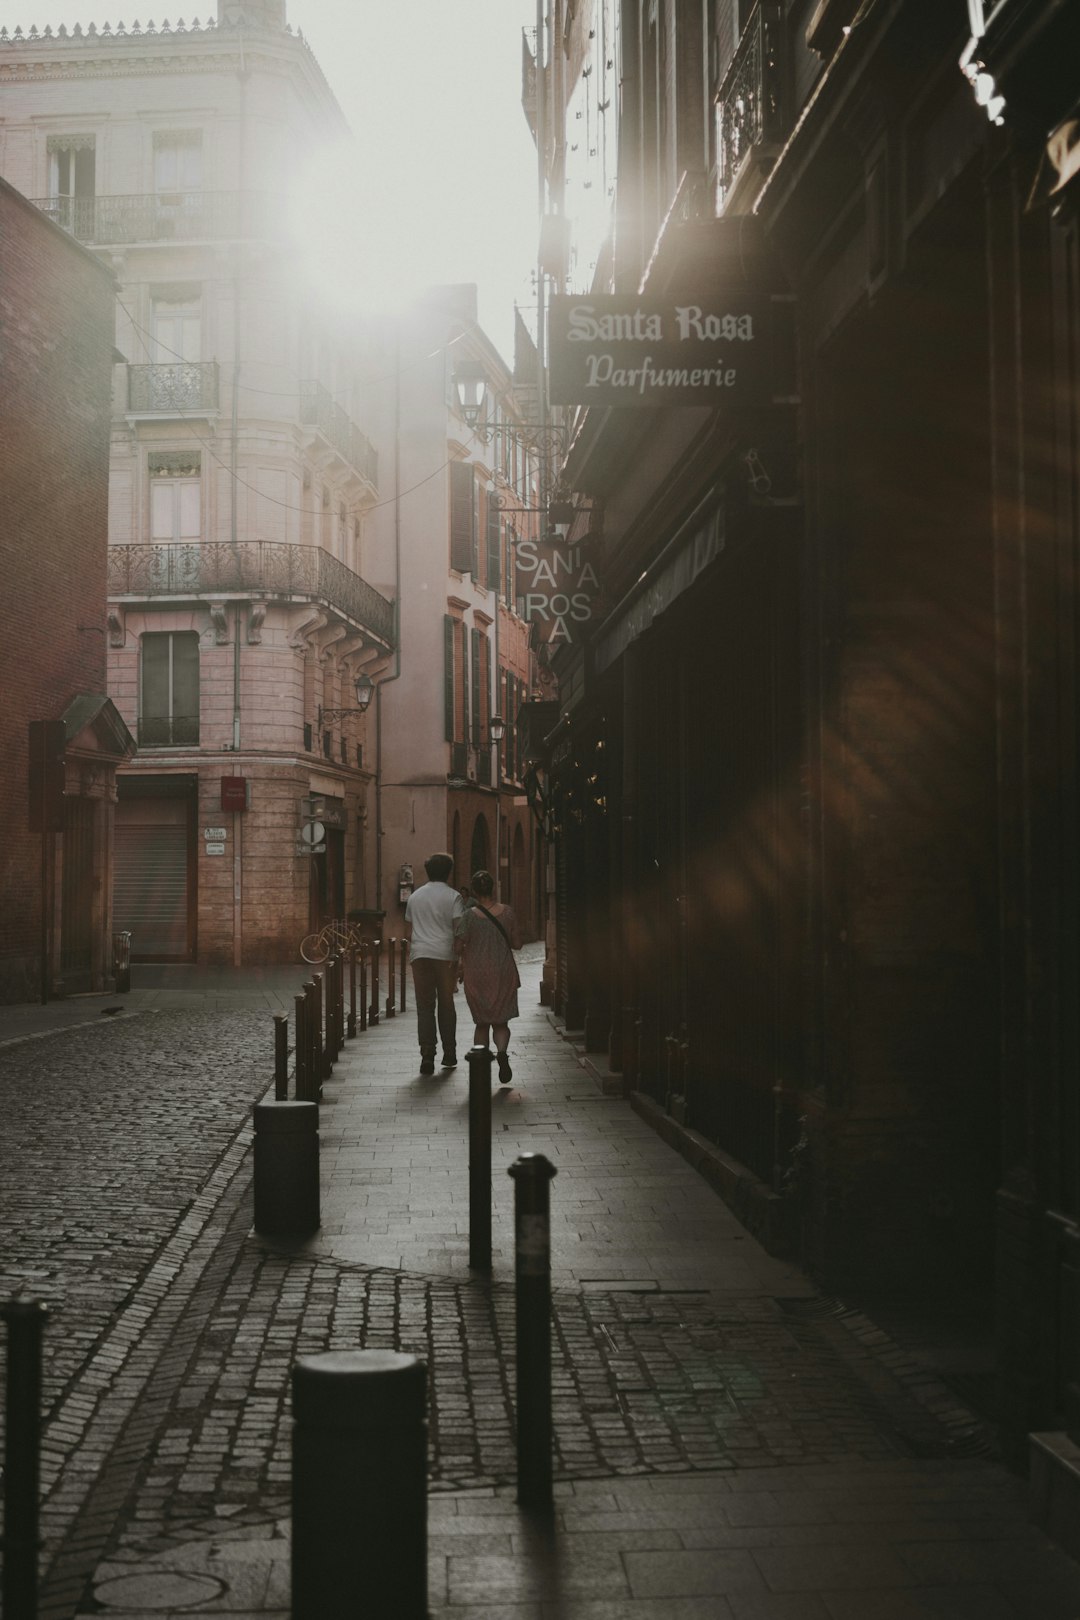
column 241, row 476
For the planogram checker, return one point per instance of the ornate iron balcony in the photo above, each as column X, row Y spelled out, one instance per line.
column 317, row 409
column 748, row 101
column 189, row 386
column 182, row 216
column 259, row 568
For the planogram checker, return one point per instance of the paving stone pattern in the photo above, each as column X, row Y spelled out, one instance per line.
column 727, row 1444
column 109, row 1132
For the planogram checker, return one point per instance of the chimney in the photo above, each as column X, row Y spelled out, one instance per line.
column 251, row 13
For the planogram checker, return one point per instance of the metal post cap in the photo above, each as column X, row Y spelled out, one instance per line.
column 359, row 1389
column 23, row 1310
column 301, row 1118
column 532, row 1166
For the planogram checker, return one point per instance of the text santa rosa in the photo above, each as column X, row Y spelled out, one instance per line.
column 620, row 351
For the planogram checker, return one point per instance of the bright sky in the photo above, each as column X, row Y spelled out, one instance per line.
column 446, row 176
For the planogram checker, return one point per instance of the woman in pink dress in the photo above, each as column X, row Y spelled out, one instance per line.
column 490, row 972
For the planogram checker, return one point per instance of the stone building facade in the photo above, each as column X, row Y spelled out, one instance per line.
column 56, row 357
column 239, row 611
column 814, row 773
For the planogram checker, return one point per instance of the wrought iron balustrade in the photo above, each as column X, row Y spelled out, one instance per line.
column 190, row 385
column 260, row 568
column 317, row 409
column 748, row 101
column 183, row 216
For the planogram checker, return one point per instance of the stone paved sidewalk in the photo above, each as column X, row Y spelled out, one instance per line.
column 723, row 1449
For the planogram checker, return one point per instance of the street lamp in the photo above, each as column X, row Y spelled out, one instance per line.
column 364, row 687
column 496, row 728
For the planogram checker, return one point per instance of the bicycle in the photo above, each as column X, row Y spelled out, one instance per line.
column 332, row 936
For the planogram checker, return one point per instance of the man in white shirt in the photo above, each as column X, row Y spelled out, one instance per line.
column 433, row 922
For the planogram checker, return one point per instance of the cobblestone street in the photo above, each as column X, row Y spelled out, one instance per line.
column 725, row 1441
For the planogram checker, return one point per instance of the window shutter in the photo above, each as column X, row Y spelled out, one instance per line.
column 518, row 747
column 448, row 676
column 474, row 538
column 462, row 518
column 494, row 523
column 486, row 716
column 465, row 688
column 476, row 689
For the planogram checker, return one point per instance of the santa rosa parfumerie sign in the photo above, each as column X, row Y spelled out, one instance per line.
column 611, row 350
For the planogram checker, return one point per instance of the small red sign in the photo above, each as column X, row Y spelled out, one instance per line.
column 234, row 793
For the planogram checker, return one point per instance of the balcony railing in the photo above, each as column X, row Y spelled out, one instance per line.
column 748, row 101
column 318, row 410
column 184, row 216
column 189, row 386
column 257, row 568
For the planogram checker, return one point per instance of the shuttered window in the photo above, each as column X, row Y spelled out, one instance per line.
column 462, row 515
column 448, row 677
column 475, row 688
column 485, row 718
column 463, row 731
column 494, row 544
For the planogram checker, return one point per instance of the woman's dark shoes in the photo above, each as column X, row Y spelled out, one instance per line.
column 449, row 1060
column 427, row 1064
column 506, row 1073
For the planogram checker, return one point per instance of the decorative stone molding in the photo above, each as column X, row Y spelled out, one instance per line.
column 256, row 615
column 219, row 622
column 115, row 618
column 304, row 627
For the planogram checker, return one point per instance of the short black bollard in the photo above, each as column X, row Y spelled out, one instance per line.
column 25, row 1320
column 391, row 996
column 352, row 991
column 376, row 980
column 311, row 1030
column 319, row 1060
column 479, row 1060
column 404, row 960
column 286, row 1169
column 122, row 961
column 281, row 1056
column 359, row 1486
column 330, row 1018
column 301, row 1047
column 363, row 987
column 532, row 1175
column 341, row 1031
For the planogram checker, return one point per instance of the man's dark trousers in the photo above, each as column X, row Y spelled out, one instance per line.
column 434, row 983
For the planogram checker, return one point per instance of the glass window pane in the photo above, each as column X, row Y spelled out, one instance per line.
column 190, row 526
column 162, row 501
column 155, row 676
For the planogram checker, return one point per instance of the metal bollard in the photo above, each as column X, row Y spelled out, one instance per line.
column 121, row 944
column 341, row 1021
column 376, row 980
column 363, row 987
column 318, row 1067
column 391, row 995
column 330, row 1018
column 311, row 1030
column 352, row 991
column 286, row 1169
column 301, row 1046
column 479, row 1060
column 359, row 1486
column 25, row 1320
column 404, row 960
column 532, row 1175
column 281, row 1056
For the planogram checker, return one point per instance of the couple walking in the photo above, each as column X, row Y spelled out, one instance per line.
column 475, row 943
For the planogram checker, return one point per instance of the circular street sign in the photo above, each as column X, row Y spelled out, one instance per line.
column 313, row 832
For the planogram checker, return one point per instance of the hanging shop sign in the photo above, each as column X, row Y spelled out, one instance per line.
column 561, row 588
column 619, row 350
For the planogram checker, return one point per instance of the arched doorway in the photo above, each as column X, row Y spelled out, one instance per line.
column 480, row 853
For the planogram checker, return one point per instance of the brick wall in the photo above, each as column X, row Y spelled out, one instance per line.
column 56, row 343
